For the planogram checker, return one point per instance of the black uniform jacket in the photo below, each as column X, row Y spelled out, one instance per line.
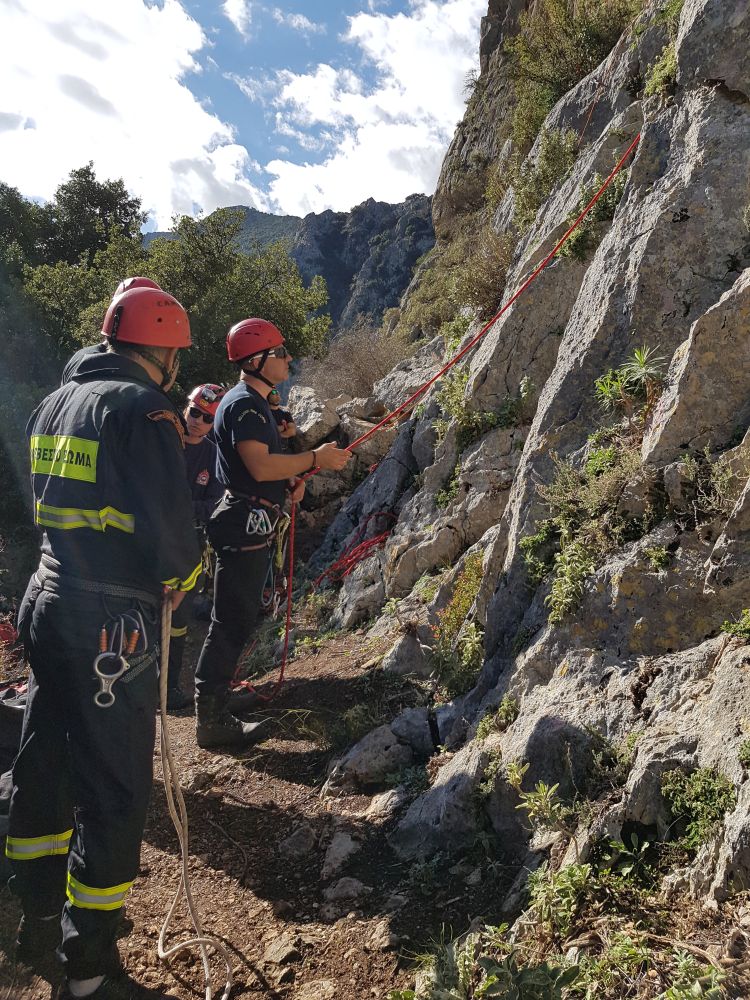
column 108, row 477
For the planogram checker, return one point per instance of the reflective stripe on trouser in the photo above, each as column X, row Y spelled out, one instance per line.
column 67, row 518
column 29, row 848
column 90, row 898
column 96, row 766
column 177, row 633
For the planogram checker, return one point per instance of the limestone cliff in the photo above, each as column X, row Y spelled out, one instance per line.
column 612, row 524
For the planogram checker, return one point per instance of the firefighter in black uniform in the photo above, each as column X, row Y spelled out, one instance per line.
column 284, row 419
column 257, row 477
column 110, row 494
column 205, row 490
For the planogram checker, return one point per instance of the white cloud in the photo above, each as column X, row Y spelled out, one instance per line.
column 298, row 22
column 391, row 136
column 240, row 13
column 108, row 86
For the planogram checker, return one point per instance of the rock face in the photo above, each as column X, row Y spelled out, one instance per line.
column 366, row 256
column 640, row 648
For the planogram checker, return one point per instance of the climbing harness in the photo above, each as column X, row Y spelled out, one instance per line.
column 116, row 644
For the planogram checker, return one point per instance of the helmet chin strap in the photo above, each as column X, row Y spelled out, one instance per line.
column 168, row 374
column 257, row 372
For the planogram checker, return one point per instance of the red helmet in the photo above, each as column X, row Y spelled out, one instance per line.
column 207, row 397
column 252, row 336
column 127, row 283
column 147, row 316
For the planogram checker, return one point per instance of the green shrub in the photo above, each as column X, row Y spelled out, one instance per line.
column 743, row 755
column 453, row 333
column 534, row 182
column 458, row 651
column 480, row 270
column 584, row 240
column 636, row 384
column 658, row 557
column 558, row 43
column 662, row 76
column 499, row 720
column 739, row 629
column 600, row 460
column 538, row 551
column 448, row 494
column 572, row 565
column 556, row 896
column 698, row 802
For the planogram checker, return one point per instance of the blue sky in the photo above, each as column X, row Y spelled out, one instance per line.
column 202, row 103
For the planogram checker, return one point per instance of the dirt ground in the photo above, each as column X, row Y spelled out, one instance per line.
column 268, row 908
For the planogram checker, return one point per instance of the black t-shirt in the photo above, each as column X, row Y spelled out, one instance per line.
column 280, row 415
column 244, row 415
column 206, row 491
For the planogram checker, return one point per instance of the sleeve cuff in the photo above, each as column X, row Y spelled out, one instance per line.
column 176, row 584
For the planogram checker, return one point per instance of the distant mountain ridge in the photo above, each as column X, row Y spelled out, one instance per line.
column 366, row 256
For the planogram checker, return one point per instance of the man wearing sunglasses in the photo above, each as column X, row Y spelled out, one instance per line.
column 257, row 477
column 205, row 490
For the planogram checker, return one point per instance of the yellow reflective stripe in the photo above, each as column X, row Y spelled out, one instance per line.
column 177, row 633
column 66, row 518
column 64, row 455
column 28, row 848
column 89, row 898
column 176, row 584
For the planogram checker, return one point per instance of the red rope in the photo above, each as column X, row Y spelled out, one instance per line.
column 356, row 552
column 353, row 555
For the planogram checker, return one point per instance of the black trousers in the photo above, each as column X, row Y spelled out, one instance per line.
column 82, row 778
column 178, row 635
column 238, row 590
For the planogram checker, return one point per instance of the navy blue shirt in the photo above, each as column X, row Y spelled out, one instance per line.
column 244, row 415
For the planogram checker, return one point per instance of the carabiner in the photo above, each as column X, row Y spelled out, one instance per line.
column 104, row 697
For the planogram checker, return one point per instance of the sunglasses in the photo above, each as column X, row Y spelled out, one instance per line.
column 280, row 352
column 194, row 412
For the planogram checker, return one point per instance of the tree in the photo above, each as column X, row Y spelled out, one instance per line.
column 21, row 229
column 85, row 213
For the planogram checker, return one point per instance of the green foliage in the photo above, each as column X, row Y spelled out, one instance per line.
column 600, row 460
column 717, row 484
column 449, row 493
column 584, row 240
column 465, row 590
column 630, row 860
column 697, row 802
column 534, row 182
column 662, row 76
column 658, row 557
column 625, row 959
column 538, row 551
column 470, row 424
column 481, row 267
column 453, row 333
column 739, row 629
column 693, row 979
column 743, row 754
column 572, row 565
column 492, row 771
column 556, row 895
column 583, row 508
column 557, row 45
column 498, row 721
column 508, row 979
column 414, row 780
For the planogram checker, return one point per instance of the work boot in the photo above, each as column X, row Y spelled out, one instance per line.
column 37, row 938
column 116, row 987
column 177, row 699
column 241, row 699
column 216, row 726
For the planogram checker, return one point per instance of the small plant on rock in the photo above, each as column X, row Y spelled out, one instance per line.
column 662, row 76
column 739, row 629
column 658, row 557
column 584, row 240
column 534, row 182
column 743, row 754
column 556, row 896
column 499, row 720
column 698, row 803
column 573, row 564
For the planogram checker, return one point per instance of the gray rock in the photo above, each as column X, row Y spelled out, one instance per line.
column 408, row 655
column 281, row 951
column 711, row 364
column 370, row 761
column 411, row 727
column 385, row 805
column 346, row 889
column 362, row 593
column 370, row 409
column 299, row 843
column 341, row 848
column 409, row 375
column 315, row 420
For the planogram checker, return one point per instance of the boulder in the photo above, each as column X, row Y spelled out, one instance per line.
column 314, row 418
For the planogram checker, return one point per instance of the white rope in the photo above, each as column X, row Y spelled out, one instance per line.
column 178, row 812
